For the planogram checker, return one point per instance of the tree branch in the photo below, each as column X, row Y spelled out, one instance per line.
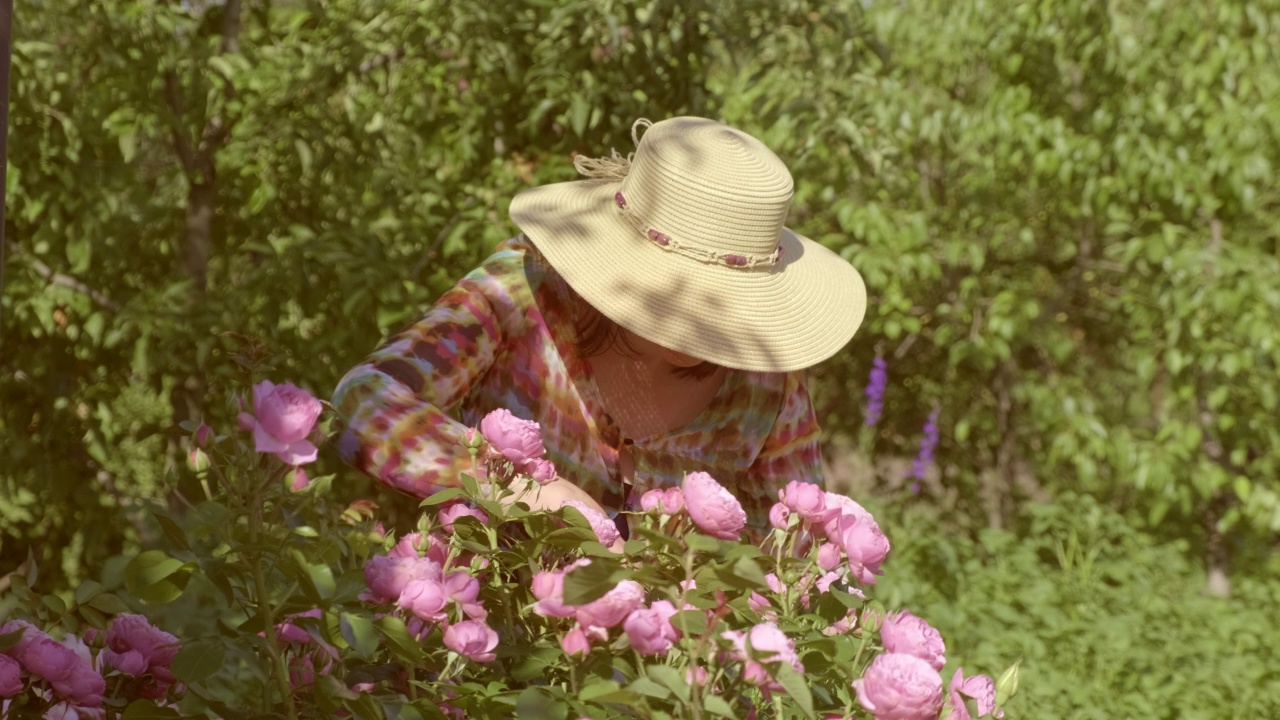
column 66, row 281
column 181, row 143
column 231, row 27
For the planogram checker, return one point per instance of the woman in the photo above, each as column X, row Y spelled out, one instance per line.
column 654, row 319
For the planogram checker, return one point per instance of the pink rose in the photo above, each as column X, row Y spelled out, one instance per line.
column 828, row 557
column 865, row 545
column 603, row 527
column 548, row 588
column 763, row 643
column 413, row 545
column 71, row 676
column 806, row 500
column 426, row 598
column 843, row 625
column 575, row 642
column 30, row 634
column 464, row 589
column 650, row 630
column 449, row 515
column 289, row 632
column 780, row 516
column 204, row 434
column 613, row 607
column 515, row 439
column 299, row 481
column 541, row 470
column 900, row 687
column 713, row 509
column 843, row 506
column 758, row 602
column 302, row 672
column 472, row 639
column 978, row 687
column 911, row 635
column 667, row 501
column 283, row 416
column 388, row 576
column 696, row 676
column 10, row 677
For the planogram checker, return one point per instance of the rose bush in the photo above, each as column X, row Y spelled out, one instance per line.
column 484, row 608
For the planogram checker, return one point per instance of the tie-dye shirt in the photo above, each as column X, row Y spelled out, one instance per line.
column 504, row 337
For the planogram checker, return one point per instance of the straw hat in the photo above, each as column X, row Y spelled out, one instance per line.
column 683, row 243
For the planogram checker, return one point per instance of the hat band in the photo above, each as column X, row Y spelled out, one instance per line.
column 701, row 254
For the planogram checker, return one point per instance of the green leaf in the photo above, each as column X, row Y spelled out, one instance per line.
column 535, row 703
column 155, row 577
column 147, row 710
column 198, row 660
column 10, row 639
column 359, row 632
column 645, row 686
column 442, row 496
column 320, row 574
column 87, row 590
column 701, row 543
column 584, row 584
column 749, row 571
column 794, row 684
column 605, row 691
column 672, row 679
column 109, row 604
column 55, row 604
column 716, row 705
column 402, row 643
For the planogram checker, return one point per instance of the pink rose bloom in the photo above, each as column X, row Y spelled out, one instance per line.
column 806, row 500
column 866, row 547
column 449, row 515
column 300, row 480
column 283, row 416
column 575, row 642
column 650, row 630
column 601, row 525
column 696, row 676
column 758, row 602
column 134, row 635
column 763, row 643
column 843, row 625
column 900, row 687
column 71, row 676
column 911, row 635
column 826, row 581
column 780, row 516
column 651, row 501
column 515, row 439
column 829, row 556
column 10, row 677
column 667, row 501
column 289, row 632
column 978, row 687
column 844, row 506
column 464, row 589
column 302, row 672
column 30, row 634
column 472, row 639
column 614, row 607
column 713, row 509
column 541, row 470
column 413, row 545
column 426, row 598
column 388, row 576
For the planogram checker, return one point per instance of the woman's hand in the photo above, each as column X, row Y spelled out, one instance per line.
column 553, row 496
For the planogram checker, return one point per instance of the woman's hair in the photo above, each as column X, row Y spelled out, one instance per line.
column 596, row 333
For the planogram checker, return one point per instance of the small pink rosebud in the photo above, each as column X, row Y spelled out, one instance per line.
column 298, row 480
column 472, row 439
column 204, row 434
column 197, row 461
column 780, row 516
column 575, row 642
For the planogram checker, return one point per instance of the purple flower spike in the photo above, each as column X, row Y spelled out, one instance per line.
column 875, row 391
column 928, row 444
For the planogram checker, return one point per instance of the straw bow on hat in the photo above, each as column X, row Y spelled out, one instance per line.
column 684, row 244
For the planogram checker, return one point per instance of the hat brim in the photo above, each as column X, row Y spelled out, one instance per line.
column 783, row 317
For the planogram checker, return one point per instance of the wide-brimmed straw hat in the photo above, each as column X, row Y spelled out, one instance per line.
column 684, row 244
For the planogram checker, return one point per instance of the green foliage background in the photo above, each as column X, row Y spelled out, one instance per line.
column 1064, row 211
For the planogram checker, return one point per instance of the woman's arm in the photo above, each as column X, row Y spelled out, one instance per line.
column 395, row 402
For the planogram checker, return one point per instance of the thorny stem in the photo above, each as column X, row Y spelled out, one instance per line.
column 264, row 604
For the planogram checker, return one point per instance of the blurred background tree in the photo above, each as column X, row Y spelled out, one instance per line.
column 1064, row 210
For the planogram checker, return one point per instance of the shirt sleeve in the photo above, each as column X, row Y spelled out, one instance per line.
column 791, row 451
column 395, row 403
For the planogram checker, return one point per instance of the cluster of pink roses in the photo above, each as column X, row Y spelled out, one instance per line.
column 67, row 674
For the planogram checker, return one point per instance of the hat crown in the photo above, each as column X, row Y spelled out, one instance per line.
column 708, row 186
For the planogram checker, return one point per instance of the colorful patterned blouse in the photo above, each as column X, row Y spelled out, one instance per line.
column 504, row 337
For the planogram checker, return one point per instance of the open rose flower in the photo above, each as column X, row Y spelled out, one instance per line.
column 763, row 643
column 978, row 687
column 713, row 509
column 433, row 547
column 667, row 501
column 511, row 437
column 388, row 576
column 136, row 647
column 449, row 515
column 426, row 598
column 865, row 546
column 603, row 527
column 909, row 634
column 843, row 506
column 780, row 516
column 472, row 639
column 10, row 677
column 806, row 500
column 70, row 676
column 548, row 590
column 283, row 416
column 900, row 687
column 649, row 629
column 614, row 607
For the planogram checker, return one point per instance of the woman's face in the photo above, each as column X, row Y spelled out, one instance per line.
column 679, row 360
